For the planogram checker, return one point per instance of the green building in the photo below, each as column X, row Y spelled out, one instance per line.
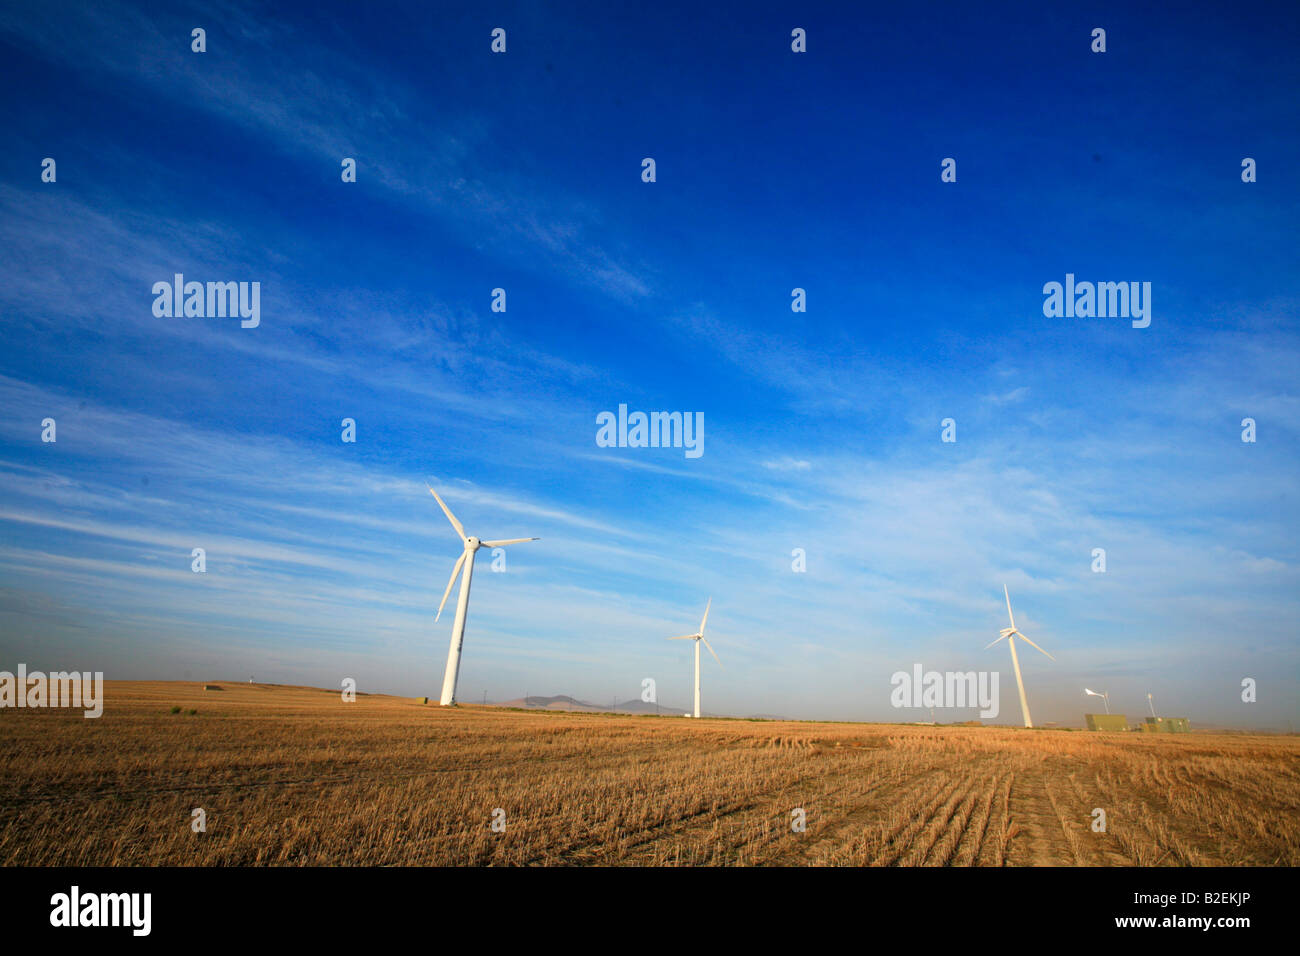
column 1166, row 725
column 1106, row 722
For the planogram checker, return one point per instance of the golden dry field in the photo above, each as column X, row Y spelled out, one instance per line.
column 291, row 776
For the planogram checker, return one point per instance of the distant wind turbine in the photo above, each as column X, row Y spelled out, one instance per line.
column 1009, row 634
column 698, row 637
column 1105, row 697
column 466, row 561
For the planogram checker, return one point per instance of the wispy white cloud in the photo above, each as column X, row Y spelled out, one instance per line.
column 310, row 99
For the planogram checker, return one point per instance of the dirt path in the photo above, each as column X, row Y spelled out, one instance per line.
column 1040, row 835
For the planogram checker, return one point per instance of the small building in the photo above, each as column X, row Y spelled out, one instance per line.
column 1110, row 723
column 1166, row 725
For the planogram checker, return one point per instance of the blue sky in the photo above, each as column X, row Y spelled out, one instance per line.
column 775, row 170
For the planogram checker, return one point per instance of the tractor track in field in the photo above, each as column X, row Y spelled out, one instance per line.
column 1043, row 839
column 830, row 832
column 770, row 806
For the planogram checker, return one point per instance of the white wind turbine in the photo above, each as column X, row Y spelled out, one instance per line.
column 466, row 560
column 1009, row 634
column 698, row 637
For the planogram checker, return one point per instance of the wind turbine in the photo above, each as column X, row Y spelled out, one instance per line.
column 1009, row 634
column 466, row 560
column 698, row 637
column 1104, row 696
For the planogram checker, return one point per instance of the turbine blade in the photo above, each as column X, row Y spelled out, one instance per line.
column 445, row 594
column 1009, row 614
column 706, row 617
column 502, row 544
column 999, row 640
column 460, row 529
column 684, row 637
column 1037, row 648
column 711, row 650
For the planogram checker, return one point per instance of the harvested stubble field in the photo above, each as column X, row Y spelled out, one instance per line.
column 291, row 776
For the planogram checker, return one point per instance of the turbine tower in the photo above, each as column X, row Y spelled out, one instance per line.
column 466, row 561
column 698, row 637
column 1009, row 634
